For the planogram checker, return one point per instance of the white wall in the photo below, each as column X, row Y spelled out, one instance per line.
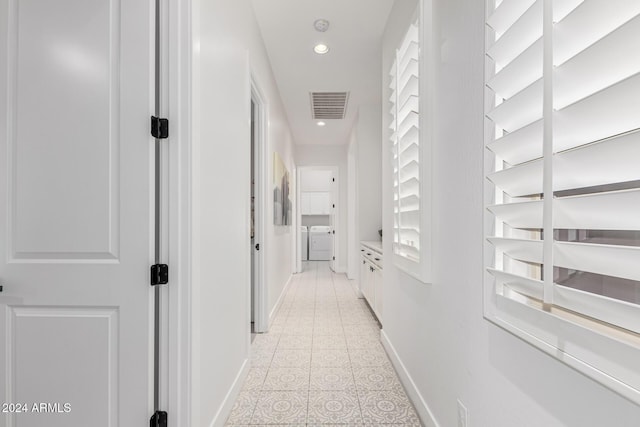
column 331, row 155
column 315, row 180
column 438, row 330
column 353, row 255
column 369, row 171
column 227, row 50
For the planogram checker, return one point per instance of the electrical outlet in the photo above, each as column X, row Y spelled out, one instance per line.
column 463, row 416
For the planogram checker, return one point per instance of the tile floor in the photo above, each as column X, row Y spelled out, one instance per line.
column 322, row 362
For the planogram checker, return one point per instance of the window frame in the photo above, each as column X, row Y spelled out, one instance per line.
column 602, row 352
column 420, row 269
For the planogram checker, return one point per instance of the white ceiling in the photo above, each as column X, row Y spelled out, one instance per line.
column 352, row 64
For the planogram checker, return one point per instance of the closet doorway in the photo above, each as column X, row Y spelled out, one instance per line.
column 317, row 213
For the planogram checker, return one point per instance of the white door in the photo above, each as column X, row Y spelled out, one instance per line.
column 75, row 212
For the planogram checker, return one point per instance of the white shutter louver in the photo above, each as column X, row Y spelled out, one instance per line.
column 409, row 236
column 563, row 135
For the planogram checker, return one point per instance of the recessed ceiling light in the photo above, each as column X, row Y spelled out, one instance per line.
column 321, row 49
column 321, row 25
column 321, row 123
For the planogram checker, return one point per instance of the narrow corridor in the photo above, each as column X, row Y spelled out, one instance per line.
column 322, row 362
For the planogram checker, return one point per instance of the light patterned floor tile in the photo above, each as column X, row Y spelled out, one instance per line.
column 321, row 363
column 365, row 342
column 368, row 357
column 376, row 378
column 387, row 407
column 284, row 379
column 298, row 329
column 334, row 407
column 261, row 358
column 324, row 329
column 255, row 378
column 327, row 342
column 360, row 329
column 281, row 407
column 331, row 379
column 264, row 341
column 243, row 407
column 295, row 342
column 285, row 358
column 330, row 358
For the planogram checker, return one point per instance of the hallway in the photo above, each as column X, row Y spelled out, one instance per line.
column 321, row 362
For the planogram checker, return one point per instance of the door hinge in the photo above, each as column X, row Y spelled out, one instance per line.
column 159, row 127
column 159, row 419
column 334, row 231
column 257, row 246
column 159, row 274
column 333, row 180
column 334, row 205
column 334, row 258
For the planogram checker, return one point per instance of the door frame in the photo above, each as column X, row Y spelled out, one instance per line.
column 176, row 343
column 261, row 317
column 335, row 199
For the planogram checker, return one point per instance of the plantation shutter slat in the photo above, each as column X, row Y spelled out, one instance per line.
column 606, row 113
column 523, row 108
column 519, row 36
column 521, row 249
column 616, row 210
column 611, row 310
column 522, row 215
column 521, row 284
column 608, row 260
column 520, row 73
column 519, row 146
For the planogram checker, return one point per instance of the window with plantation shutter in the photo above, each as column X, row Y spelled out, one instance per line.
column 563, row 189
column 410, row 236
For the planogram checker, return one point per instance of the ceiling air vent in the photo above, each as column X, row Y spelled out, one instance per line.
column 329, row 105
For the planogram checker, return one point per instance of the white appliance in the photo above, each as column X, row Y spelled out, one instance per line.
column 304, row 242
column 320, row 243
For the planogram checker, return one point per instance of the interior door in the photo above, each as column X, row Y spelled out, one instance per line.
column 75, row 217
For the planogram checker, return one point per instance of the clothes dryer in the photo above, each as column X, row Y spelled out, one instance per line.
column 320, row 242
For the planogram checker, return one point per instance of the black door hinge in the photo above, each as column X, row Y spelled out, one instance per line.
column 333, row 180
column 159, row 127
column 334, row 231
column 159, row 274
column 159, row 419
column 257, row 246
column 334, row 205
column 334, row 258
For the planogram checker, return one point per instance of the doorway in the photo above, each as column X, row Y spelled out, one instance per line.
column 259, row 322
column 317, row 215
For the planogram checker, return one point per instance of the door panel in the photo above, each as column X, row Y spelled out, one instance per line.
column 75, row 214
column 64, row 105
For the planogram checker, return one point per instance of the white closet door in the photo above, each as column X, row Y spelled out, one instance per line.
column 74, row 211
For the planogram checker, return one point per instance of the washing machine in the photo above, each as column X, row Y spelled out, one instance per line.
column 304, row 242
column 320, row 243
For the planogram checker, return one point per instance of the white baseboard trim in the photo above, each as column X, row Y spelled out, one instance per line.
column 232, row 395
column 426, row 416
column 276, row 307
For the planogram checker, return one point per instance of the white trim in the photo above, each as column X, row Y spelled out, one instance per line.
column 227, row 404
column 280, row 300
column 426, row 415
column 177, row 349
column 260, row 308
